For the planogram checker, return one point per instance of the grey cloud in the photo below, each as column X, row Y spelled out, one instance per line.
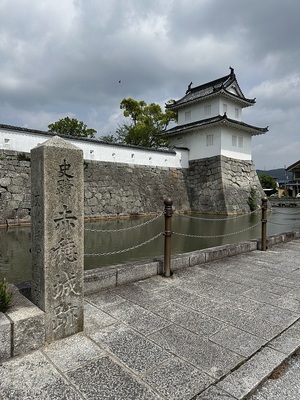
column 63, row 57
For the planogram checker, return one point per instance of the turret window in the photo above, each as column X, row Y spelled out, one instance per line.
column 188, row 116
column 237, row 141
column 209, row 140
column 207, row 110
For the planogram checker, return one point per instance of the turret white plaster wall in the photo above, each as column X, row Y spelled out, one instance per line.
column 222, row 143
column 199, row 111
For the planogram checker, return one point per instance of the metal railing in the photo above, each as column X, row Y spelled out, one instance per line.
column 167, row 233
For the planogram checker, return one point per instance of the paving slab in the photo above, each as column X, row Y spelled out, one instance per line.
column 176, row 379
column 246, row 378
column 194, row 321
column 72, row 351
column 95, row 319
column 238, row 341
column 288, row 341
column 105, row 379
column 210, row 358
column 142, row 320
column 214, row 393
column 131, row 348
column 34, row 377
column 213, row 331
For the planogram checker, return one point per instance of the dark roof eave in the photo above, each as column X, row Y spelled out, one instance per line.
column 214, row 121
column 180, row 103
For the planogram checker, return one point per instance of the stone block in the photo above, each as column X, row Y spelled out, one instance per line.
column 28, row 325
column 289, row 341
column 98, row 279
column 5, row 337
column 246, row 378
column 136, row 271
column 57, row 235
column 180, row 261
column 216, row 253
column 197, row 257
column 242, row 247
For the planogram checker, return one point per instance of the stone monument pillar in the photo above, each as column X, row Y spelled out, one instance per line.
column 57, row 249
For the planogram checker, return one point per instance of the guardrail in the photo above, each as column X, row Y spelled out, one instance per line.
column 168, row 232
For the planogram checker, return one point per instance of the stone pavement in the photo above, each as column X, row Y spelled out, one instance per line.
column 213, row 331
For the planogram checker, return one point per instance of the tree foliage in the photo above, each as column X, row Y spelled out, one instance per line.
column 146, row 123
column 267, row 182
column 71, row 127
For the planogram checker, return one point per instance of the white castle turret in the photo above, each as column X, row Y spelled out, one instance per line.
column 210, row 120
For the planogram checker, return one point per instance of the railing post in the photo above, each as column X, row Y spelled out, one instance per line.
column 168, row 233
column 264, row 207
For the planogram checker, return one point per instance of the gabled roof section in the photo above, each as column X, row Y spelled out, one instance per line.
column 227, row 85
column 296, row 165
column 213, row 121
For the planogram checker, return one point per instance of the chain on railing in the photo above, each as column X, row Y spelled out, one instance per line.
column 110, row 253
column 168, row 212
column 221, row 219
column 125, row 229
column 216, row 236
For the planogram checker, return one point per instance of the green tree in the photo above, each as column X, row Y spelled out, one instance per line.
column 109, row 139
column 71, row 127
column 267, row 182
column 147, row 122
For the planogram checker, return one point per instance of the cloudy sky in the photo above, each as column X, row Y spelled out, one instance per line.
column 66, row 57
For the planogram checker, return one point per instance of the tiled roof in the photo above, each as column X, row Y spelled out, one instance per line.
column 209, row 89
column 219, row 119
column 296, row 165
column 86, row 139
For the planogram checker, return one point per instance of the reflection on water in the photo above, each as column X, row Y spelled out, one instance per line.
column 15, row 258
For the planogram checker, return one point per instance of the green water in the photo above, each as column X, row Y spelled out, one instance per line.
column 15, row 257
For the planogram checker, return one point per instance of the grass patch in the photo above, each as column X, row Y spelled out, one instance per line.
column 5, row 296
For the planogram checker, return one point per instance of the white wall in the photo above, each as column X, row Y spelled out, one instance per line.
column 24, row 141
column 197, row 110
column 238, row 152
column 222, row 143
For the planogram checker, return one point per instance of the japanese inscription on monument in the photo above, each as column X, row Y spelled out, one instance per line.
column 57, row 236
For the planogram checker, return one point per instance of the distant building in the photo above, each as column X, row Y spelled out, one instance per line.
column 293, row 185
column 210, row 120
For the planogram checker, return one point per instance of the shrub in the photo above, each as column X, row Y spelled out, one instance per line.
column 252, row 201
column 5, row 296
column 23, row 157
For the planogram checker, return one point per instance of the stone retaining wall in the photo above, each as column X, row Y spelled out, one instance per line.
column 223, row 185
column 212, row 185
column 111, row 189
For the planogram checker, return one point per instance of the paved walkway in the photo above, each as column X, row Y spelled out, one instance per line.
column 211, row 332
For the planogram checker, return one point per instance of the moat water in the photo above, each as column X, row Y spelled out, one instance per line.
column 15, row 242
